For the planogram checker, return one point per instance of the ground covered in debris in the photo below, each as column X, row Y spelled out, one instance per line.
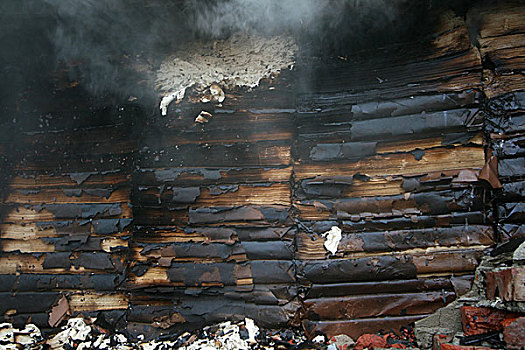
column 491, row 315
column 81, row 334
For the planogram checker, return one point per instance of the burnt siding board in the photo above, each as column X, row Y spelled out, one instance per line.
column 151, row 218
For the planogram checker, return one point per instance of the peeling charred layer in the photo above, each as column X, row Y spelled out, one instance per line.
column 261, row 271
column 264, row 294
column 213, row 195
column 513, row 167
column 511, row 231
column 58, row 282
column 514, row 147
column 511, row 212
column 354, row 209
column 396, row 286
column 41, row 213
column 271, row 250
column 376, row 305
column 505, row 123
column 403, row 240
column 435, row 160
column 268, row 214
column 337, row 146
column 27, row 303
column 227, row 235
column 208, row 310
column 400, row 223
column 363, row 269
column 184, row 176
column 41, row 320
column 384, row 267
column 428, row 124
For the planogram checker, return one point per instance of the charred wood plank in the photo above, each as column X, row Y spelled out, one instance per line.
column 352, row 307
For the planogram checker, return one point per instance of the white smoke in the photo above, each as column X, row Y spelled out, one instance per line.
column 109, row 37
column 219, row 18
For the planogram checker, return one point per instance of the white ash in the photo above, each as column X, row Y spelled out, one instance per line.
column 13, row 338
column 75, row 330
column 228, row 337
column 239, row 61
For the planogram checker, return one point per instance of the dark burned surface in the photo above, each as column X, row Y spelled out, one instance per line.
column 147, row 218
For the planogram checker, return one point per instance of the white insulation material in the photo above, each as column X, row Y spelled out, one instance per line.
column 332, row 239
column 239, row 61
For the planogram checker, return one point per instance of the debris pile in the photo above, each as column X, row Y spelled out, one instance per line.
column 12, row 338
column 491, row 315
column 83, row 334
column 239, row 61
column 385, row 340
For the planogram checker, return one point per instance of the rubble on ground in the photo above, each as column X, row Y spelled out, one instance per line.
column 27, row 338
column 490, row 316
column 82, row 334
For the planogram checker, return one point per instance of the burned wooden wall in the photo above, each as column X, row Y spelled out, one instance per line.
column 66, row 212
column 167, row 224
column 214, row 238
column 502, row 48
column 390, row 151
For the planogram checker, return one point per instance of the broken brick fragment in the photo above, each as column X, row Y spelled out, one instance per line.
column 513, row 333
column 342, row 342
column 371, row 341
column 507, row 284
column 440, row 339
column 479, row 320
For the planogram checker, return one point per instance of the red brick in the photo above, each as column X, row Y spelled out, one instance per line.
column 507, row 284
column 371, row 341
column 439, row 339
column 514, row 333
column 479, row 320
column 461, row 347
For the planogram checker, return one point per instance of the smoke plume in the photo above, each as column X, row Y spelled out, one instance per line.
column 114, row 45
